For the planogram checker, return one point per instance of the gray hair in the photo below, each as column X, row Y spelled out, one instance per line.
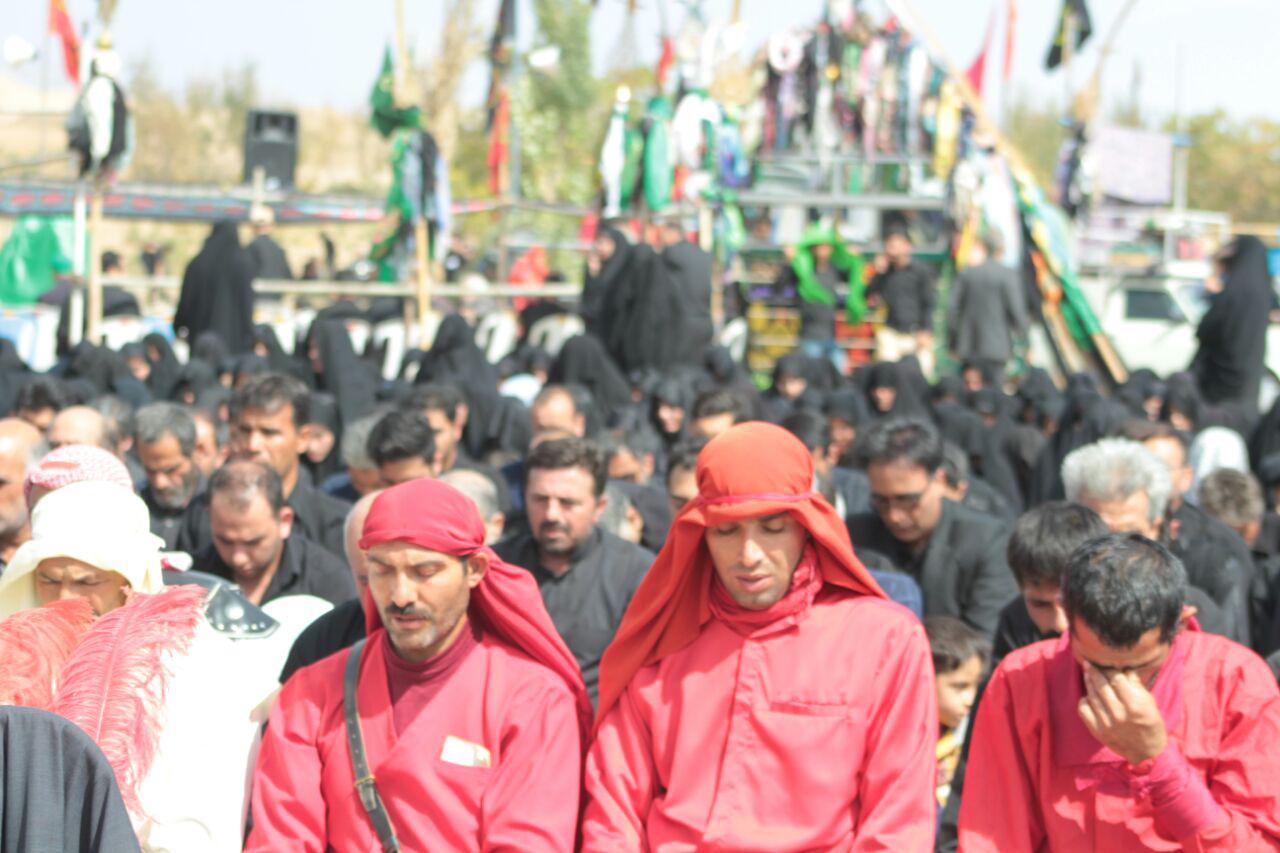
column 478, row 487
column 118, row 414
column 1114, row 469
column 355, row 441
column 1232, row 497
column 153, row 422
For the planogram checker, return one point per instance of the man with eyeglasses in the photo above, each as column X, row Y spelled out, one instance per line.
column 955, row 554
column 1133, row 731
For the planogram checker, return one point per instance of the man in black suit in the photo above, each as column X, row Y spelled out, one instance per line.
column 955, row 554
column 987, row 313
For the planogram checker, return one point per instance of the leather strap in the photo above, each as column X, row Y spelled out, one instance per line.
column 365, row 784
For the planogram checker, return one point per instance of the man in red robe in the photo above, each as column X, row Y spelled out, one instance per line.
column 762, row 693
column 472, row 709
column 1133, row 731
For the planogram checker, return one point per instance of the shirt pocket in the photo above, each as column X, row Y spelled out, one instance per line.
column 464, row 785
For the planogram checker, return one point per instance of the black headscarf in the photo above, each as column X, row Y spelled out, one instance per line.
column 455, row 359
column 1087, row 417
column 1233, row 332
column 280, row 361
column 165, row 367
column 13, row 373
column 671, row 391
column 690, row 270
column 911, row 390
column 583, row 361
column 347, row 377
column 60, row 792
column 596, row 288
column 217, row 291
column 642, row 323
column 322, row 409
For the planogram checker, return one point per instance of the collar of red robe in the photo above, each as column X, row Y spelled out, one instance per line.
column 1073, row 745
column 434, row 668
column 805, row 583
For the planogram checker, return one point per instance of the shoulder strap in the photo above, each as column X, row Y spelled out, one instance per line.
column 365, row 784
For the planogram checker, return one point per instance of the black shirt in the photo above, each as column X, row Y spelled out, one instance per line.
column 909, row 294
column 334, row 631
column 305, row 569
column 319, row 517
column 961, row 570
column 817, row 319
column 1014, row 630
column 167, row 523
column 587, row 602
column 1218, row 563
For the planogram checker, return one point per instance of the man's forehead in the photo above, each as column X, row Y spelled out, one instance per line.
column 403, row 553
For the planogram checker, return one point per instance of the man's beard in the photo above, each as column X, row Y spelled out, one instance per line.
column 177, row 497
column 563, row 546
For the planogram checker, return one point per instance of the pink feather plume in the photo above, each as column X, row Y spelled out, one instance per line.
column 114, row 685
column 34, row 645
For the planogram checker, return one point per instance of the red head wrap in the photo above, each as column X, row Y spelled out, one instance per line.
column 753, row 470
column 75, row 463
column 506, row 603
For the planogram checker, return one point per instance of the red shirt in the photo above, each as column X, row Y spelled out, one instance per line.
column 412, row 686
column 1037, row 780
column 814, row 732
column 496, row 704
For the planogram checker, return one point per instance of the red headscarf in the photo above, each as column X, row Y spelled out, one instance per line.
column 754, row 469
column 505, row 604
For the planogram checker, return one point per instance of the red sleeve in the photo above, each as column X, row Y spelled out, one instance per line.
column 1245, row 780
column 619, row 781
column 288, row 803
column 999, row 811
column 530, row 805
column 896, row 802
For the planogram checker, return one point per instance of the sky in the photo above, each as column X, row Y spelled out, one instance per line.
column 327, row 52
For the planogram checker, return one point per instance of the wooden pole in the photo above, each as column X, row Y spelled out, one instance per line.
column 93, row 312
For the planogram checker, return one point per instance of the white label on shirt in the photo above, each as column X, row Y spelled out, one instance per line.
column 464, row 753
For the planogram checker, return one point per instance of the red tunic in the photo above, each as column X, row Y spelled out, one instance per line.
column 497, row 698
column 815, row 732
column 1037, row 780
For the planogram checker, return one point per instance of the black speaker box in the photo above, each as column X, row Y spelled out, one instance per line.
column 271, row 141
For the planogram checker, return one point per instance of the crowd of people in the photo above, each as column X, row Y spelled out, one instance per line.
column 619, row 598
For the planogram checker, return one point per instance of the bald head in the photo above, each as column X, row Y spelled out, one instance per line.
column 351, row 538
column 554, row 408
column 21, row 446
column 80, row 425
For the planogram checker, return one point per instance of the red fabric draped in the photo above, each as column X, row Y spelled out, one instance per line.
column 506, row 603
column 752, row 470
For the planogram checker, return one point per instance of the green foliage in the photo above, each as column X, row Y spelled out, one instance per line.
column 1233, row 166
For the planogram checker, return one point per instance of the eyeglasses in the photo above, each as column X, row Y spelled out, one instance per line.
column 906, row 503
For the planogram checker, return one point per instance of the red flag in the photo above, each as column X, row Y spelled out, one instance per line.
column 499, row 144
column 975, row 72
column 1011, row 19
column 60, row 25
column 665, row 60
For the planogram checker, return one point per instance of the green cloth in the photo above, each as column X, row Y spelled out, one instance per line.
column 811, row 290
column 31, row 259
column 658, row 171
column 1049, row 231
column 385, row 116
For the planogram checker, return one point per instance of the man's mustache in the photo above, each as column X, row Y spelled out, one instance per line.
column 408, row 610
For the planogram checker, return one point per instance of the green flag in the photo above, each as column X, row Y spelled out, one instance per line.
column 385, row 116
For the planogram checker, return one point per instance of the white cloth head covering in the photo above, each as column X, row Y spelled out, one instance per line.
column 102, row 524
column 1212, row 449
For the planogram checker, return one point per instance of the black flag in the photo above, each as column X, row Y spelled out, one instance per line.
column 1084, row 28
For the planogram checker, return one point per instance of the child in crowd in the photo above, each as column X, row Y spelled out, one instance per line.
column 960, row 659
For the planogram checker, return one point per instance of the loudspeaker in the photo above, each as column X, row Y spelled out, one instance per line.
column 271, row 141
